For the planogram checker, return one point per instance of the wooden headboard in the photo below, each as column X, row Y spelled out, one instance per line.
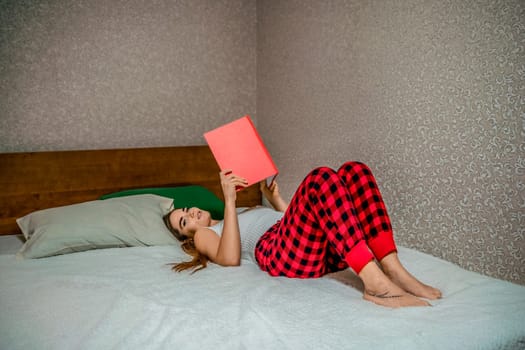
column 38, row 180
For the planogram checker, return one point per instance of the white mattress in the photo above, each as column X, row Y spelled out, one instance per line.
column 128, row 298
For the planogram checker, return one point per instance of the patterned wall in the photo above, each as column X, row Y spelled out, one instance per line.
column 108, row 74
column 431, row 94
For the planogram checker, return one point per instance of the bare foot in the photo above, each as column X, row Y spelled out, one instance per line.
column 395, row 301
column 382, row 291
column 400, row 276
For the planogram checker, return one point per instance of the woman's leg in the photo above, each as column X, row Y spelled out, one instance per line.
column 400, row 276
column 381, row 290
column 373, row 217
column 320, row 220
column 370, row 208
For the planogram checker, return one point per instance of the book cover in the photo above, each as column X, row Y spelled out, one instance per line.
column 238, row 146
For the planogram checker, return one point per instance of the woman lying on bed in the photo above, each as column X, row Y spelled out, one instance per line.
column 335, row 220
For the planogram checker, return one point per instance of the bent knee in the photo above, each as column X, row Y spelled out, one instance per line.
column 321, row 174
column 358, row 167
column 323, row 171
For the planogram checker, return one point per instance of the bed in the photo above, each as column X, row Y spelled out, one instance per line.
column 125, row 296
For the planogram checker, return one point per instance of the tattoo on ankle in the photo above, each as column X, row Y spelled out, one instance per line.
column 384, row 295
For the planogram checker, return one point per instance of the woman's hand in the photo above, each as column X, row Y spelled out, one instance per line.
column 272, row 194
column 229, row 183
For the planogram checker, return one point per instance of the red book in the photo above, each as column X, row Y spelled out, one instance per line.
column 238, row 146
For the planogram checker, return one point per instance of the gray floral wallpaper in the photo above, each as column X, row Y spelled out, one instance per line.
column 431, row 94
column 109, row 74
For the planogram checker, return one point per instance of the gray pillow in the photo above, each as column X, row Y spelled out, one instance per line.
column 118, row 222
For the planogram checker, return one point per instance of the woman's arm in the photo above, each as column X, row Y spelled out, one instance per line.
column 272, row 194
column 224, row 250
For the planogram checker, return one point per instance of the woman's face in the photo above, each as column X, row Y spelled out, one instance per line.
column 188, row 220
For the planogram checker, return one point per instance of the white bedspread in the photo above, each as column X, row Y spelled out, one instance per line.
column 128, row 298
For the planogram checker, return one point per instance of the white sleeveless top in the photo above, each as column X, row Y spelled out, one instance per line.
column 253, row 223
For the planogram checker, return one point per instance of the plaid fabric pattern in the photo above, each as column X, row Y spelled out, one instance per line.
column 331, row 213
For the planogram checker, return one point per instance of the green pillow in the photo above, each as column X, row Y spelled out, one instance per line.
column 183, row 196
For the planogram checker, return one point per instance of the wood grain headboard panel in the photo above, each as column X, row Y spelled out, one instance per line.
column 38, row 180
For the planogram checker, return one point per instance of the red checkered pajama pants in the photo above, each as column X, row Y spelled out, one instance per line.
column 335, row 220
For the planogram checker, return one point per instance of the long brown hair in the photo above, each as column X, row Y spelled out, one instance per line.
column 198, row 262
